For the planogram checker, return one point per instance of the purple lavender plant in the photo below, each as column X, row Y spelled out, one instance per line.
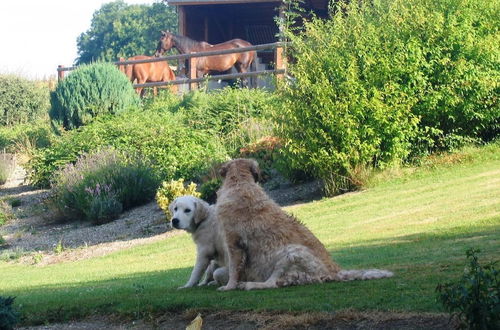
column 100, row 185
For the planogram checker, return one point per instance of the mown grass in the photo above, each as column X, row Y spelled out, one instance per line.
column 417, row 223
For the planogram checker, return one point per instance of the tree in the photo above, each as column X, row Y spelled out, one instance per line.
column 121, row 30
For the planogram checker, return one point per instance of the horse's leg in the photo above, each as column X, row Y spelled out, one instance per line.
column 141, row 90
column 242, row 69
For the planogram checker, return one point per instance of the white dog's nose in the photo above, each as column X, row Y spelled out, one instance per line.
column 175, row 222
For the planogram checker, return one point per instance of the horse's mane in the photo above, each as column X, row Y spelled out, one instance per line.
column 185, row 42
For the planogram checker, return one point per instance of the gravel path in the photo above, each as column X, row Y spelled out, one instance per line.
column 33, row 230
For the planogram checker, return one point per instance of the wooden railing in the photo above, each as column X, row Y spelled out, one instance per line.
column 192, row 80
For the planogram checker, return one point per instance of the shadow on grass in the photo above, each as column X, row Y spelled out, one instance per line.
column 420, row 262
column 420, row 248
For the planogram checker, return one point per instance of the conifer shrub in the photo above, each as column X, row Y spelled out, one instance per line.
column 90, row 91
column 22, row 100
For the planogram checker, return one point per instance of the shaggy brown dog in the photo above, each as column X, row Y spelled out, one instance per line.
column 268, row 248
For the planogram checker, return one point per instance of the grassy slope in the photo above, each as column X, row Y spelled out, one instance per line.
column 418, row 225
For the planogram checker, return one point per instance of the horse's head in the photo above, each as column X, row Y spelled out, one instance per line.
column 165, row 43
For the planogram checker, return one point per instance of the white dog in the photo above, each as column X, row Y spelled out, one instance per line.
column 198, row 218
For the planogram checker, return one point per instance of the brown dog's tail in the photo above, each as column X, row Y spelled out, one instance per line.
column 362, row 274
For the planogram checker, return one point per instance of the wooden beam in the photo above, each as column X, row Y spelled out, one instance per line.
column 182, row 20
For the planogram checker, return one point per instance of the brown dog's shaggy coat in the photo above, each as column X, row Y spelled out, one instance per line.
column 266, row 247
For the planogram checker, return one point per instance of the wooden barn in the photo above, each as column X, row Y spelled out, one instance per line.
column 216, row 21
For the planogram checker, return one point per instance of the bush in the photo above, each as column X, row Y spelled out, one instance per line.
column 5, row 212
column 22, row 100
column 8, row 316
column 475, row 297
column 383, row 79
column 4, row 172
column 208, row 190
column 100, row 185
column 173, row 149
column 171, row 190
column 24, row 138
column 266, row 152
column 90, row 91
column 237, row 116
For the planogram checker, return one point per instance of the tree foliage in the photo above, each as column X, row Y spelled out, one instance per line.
column 121, row 30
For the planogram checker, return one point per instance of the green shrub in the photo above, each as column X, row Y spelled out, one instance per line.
column 237, row 116
column 208, row 190
column 383, row 79
column 9, row 317
column 100, row 185
column 4, row 172
column 174, row 150
column 5, row 212
column 90, row 91
column 24, row 138
column 170, row 190
column 266, row 152
column 22, row 100
column 475, row 297
column 455, row 46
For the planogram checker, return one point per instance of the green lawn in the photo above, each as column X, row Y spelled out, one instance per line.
column 417, row 224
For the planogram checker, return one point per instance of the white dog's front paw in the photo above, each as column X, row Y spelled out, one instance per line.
column 228, row 287
column 187, row 286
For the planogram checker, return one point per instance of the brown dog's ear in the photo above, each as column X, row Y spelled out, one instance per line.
column 200, row 212
column 223, row 169
column 254, row 168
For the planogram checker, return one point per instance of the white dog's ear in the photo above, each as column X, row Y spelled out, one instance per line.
column 254, row 168
column 171, row 207
column 200, row 212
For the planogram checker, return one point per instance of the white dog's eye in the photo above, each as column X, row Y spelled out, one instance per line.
column 175, row 208
column 187, row 210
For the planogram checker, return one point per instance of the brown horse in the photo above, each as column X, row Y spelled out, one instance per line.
column 204, row 65
column 148, row 72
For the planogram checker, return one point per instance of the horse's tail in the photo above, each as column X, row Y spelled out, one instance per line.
column 362, row 274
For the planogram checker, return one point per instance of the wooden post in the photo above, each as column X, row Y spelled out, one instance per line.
column 181, row 12
column 60, row 72
column 279, row 61
column 206, row 29
column 192, row 72
column 253, row 67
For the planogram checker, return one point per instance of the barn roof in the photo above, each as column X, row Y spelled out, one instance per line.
column 214, row 2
